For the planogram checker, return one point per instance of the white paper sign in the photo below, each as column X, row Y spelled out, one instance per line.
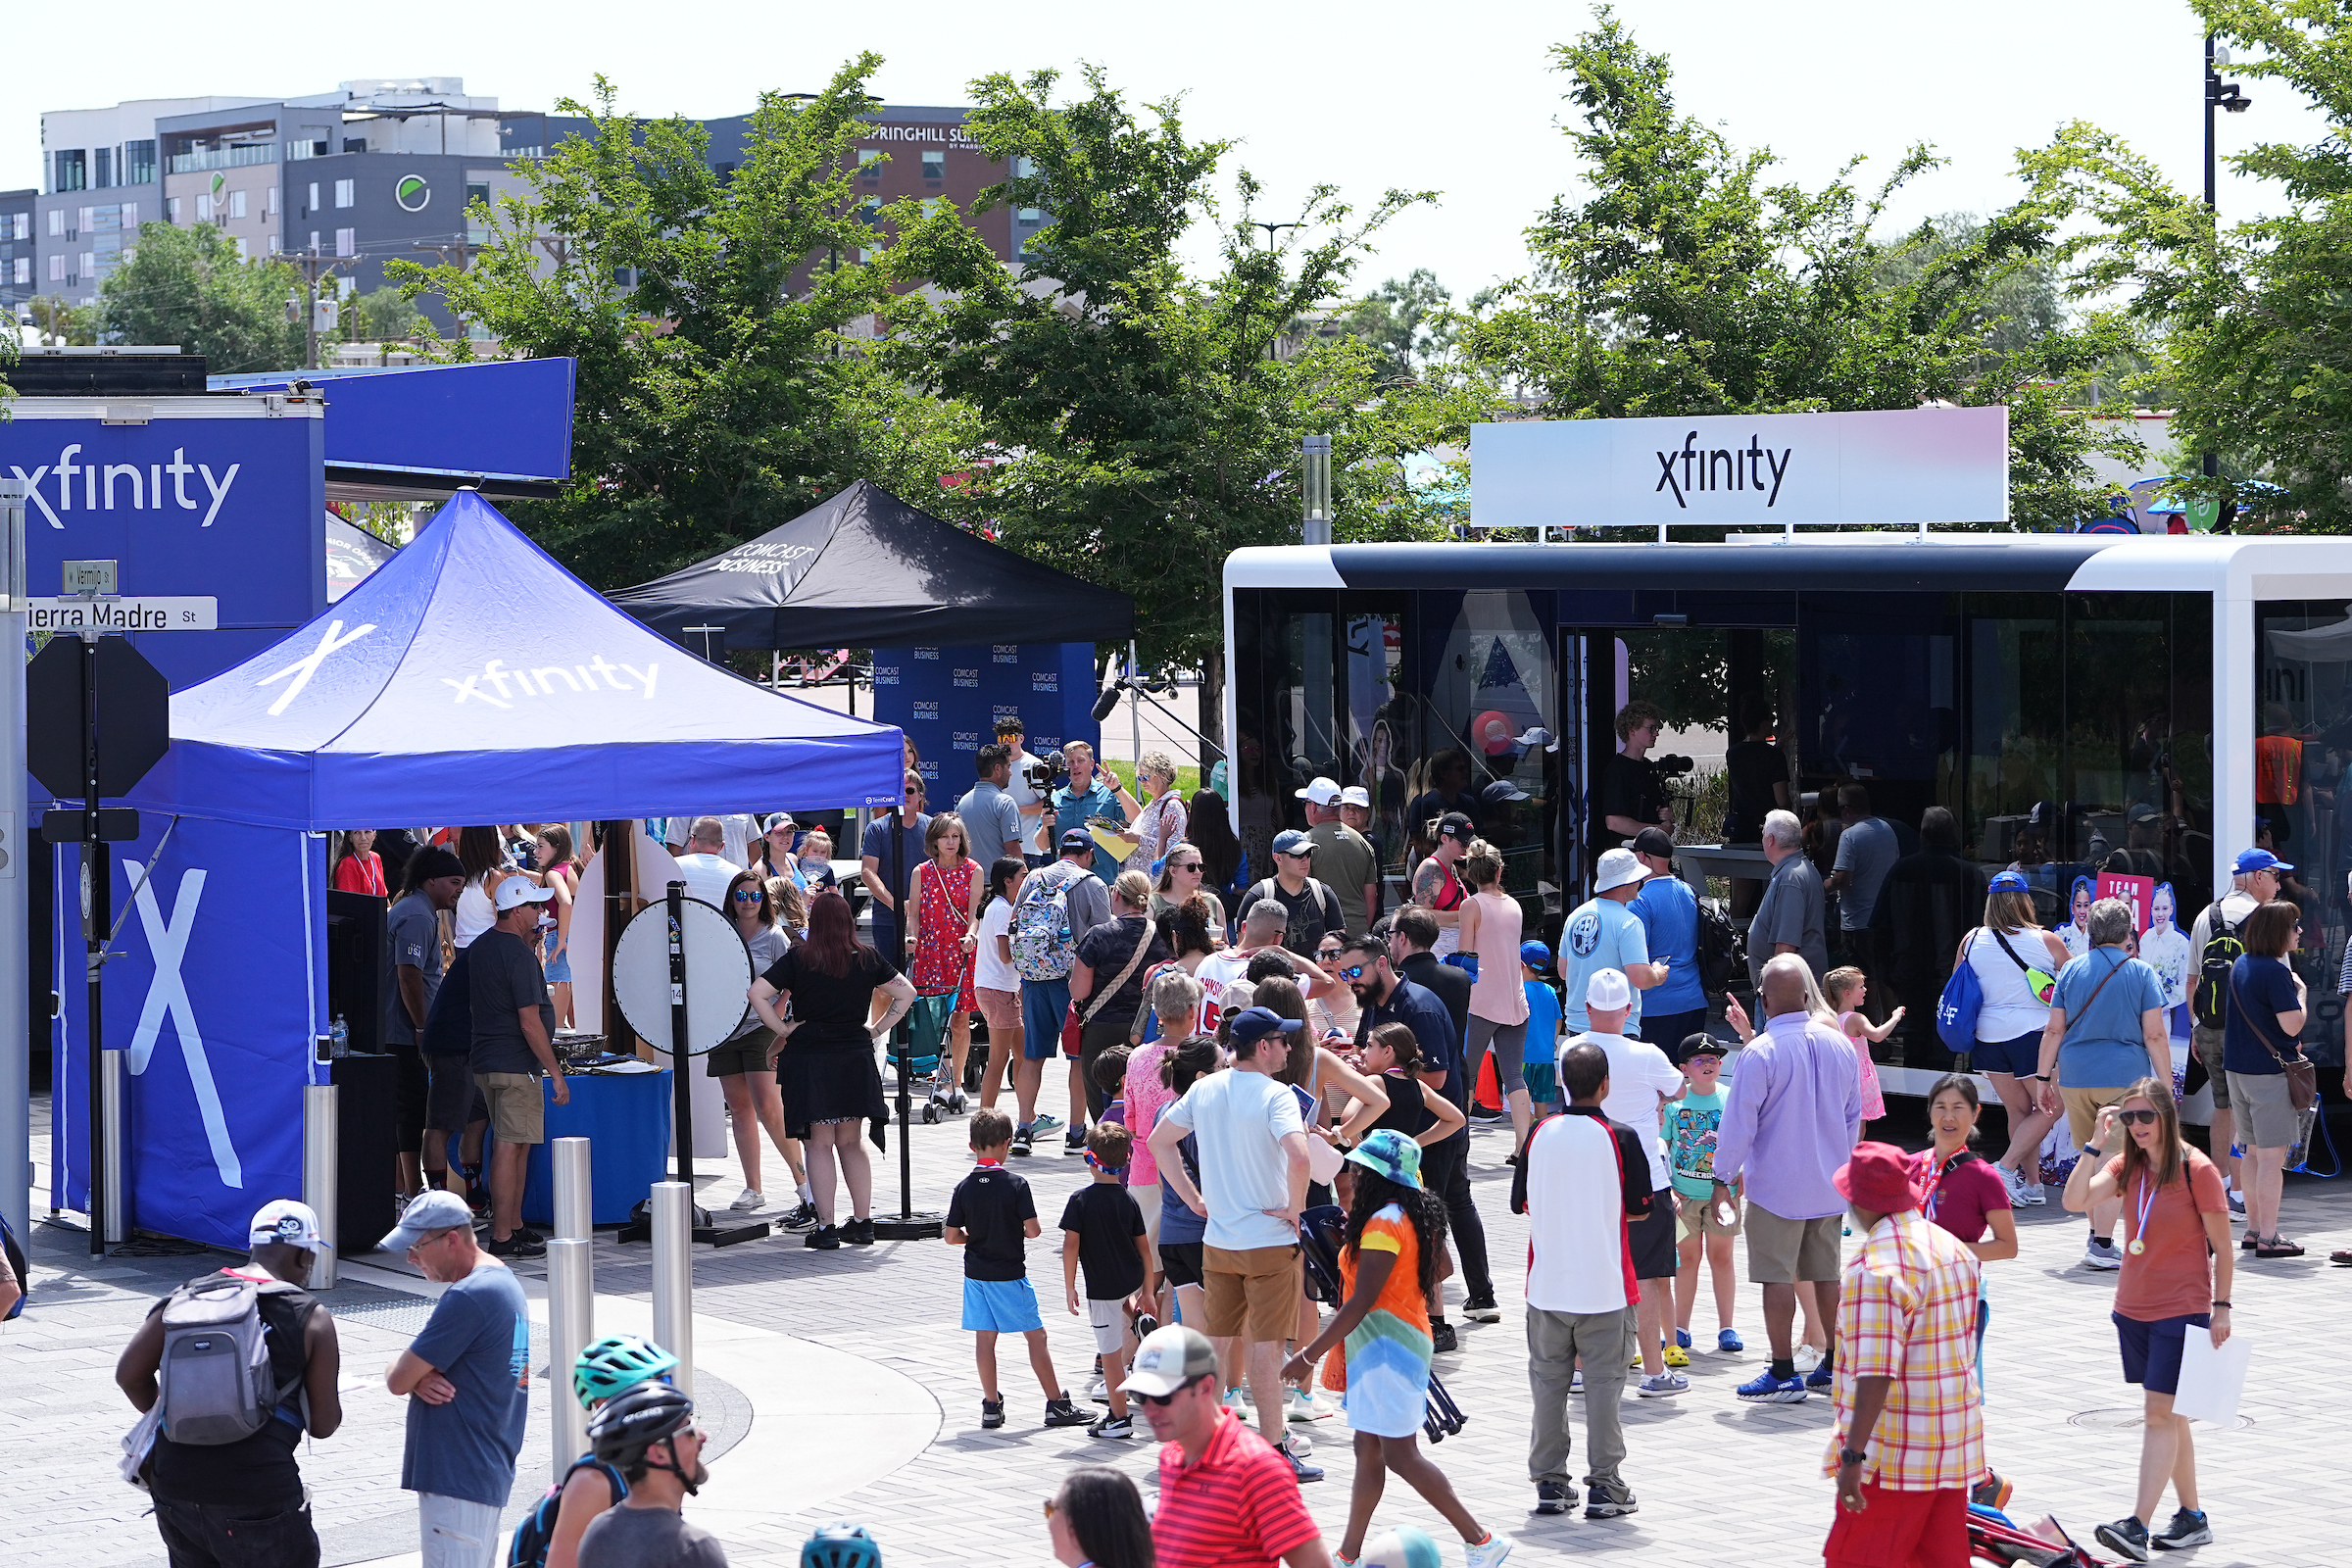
column 2212, row 1381
column 1907, row 465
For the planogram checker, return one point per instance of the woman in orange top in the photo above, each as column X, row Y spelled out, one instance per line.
column 359, row 869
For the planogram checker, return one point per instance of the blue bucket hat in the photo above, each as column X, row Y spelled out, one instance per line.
column 1389, row 1153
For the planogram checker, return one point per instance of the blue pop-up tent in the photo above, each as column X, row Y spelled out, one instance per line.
column 469, row 680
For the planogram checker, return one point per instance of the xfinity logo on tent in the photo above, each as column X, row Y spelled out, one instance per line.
column 1722, row 469
column 505, row 683
column 138, row 489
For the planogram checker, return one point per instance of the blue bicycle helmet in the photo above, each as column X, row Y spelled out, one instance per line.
column 841, row 1545
column 616, row 1364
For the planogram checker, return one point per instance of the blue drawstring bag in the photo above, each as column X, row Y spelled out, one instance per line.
column 1957, row 1009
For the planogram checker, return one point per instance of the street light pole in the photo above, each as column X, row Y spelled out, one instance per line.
column 1271, row 230
column 2219, row 94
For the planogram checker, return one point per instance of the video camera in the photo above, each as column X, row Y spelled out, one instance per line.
column 1672, row 766
column 1048, row 773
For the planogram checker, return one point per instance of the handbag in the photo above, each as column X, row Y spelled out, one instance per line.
column 2302, row 1078
column 2038, row 981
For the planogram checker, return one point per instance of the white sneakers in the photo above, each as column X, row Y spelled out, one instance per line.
column 748, row 1199
column 2023, row 1194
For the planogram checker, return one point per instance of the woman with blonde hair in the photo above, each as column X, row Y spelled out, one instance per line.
column 1184, row 872
column 1159, row 826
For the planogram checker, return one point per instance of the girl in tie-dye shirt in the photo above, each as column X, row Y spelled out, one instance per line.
column 1387, row 1265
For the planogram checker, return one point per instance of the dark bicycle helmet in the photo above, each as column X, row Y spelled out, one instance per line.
column 634, row 1421
column 616, row 1364
column 841, row 1545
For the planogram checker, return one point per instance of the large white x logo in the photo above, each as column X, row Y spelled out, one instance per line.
column 302, row 669
column 167, row 993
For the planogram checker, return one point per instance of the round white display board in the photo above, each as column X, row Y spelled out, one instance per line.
column 718, row 973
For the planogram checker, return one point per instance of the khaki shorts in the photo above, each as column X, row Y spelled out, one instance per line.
column 1252, row 1293
column 2206, row 1045
column 1696, row 1217
column 518, row 1105
column 2082, row 1114
column 1792, row 1252
column 2266, row 1117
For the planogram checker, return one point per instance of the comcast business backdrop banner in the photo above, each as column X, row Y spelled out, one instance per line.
column 948, row 700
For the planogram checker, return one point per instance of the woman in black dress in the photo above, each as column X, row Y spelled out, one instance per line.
column 824, row 1058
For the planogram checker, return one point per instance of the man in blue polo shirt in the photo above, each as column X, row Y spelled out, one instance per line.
column 1677, row 1008
column 1604, row 933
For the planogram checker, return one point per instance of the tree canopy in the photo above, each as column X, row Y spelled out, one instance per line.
column 1688, row 281
column 189, row 285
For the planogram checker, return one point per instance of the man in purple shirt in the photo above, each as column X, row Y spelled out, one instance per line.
column 1790, row 1121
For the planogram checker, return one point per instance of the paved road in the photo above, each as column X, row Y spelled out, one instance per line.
column 1716, row 1479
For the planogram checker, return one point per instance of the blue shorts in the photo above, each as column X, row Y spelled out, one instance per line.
column 2152, row 1351
column 559, row 968
column 1044, row 1005
column 1009, row 1306
column 2019, row 1058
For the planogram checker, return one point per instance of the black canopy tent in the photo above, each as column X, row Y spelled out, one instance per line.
column 863, row 568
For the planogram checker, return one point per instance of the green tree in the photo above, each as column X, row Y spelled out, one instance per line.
column 1406, row 322
column 1690, row 282
column 1142, row 427
column 2254, row 321
column 189, row 286
column 720, row 392
column 386, row 315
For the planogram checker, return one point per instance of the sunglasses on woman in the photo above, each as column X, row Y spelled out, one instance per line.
column 746, row 895
column 1188, row 866
column 2136, row 1118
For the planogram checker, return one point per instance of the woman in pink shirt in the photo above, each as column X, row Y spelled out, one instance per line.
column 1491, row 929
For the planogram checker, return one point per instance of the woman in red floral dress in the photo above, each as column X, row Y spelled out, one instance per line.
column 947, row 901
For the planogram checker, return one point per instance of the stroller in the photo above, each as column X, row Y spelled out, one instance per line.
column 926, row 1041
column 1994, row 1538
column 1321, row 1230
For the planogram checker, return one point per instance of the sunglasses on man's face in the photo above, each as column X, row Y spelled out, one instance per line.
column 1354, row 971
column 2136, row 1118
column 1163, row 1400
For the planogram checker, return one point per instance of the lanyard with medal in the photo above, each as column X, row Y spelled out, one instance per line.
column 2139, row 1227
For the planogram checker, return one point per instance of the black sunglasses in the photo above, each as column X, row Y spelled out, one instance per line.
column 1163, row 1400
column 2136, row 1118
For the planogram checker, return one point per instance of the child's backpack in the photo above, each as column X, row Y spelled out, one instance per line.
column 2223, row 948
column 536, row 1530
column 1043, row 948
column 214, row 1377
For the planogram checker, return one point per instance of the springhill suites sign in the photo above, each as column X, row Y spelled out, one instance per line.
column 1903, row 466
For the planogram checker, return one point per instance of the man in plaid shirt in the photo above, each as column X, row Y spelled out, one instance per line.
column 1910, row 1432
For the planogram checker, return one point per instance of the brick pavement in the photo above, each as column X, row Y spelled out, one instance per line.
column 1715, row 1479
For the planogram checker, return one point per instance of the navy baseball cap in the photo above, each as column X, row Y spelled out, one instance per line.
column 2260, row 860
column 1252, row 1024
column 1293, row 842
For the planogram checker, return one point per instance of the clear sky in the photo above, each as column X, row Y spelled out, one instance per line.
column 1457, row 96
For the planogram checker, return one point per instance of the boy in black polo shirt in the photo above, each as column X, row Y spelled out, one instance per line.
column 991, row 1216
column 1103, row 1233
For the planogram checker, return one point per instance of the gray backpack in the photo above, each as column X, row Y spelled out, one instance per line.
column 214, row 1378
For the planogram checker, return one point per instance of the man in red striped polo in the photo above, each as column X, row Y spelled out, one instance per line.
column 1580, row 1179
column 1226, row 1498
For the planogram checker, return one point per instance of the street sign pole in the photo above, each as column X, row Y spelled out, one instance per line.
column 16, row 1019
column 96, row 906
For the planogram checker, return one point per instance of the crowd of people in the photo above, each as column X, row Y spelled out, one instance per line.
column 1263, row 1074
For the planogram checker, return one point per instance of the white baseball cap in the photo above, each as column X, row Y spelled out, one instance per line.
column 1617, row 868
column 1537, row 737
column 1608, row 990
column 517, row 890
column 1320, row 791
column 1356, row 794
column 287, row 1222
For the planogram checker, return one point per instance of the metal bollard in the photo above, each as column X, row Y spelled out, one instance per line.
column 574, row 1188
column 570, row 1325
column 673, row 1277
column 321, row 1149
column 114, row 1222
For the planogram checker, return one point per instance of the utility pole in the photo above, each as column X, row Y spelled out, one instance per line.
column 2222, row 95
column 312, row 266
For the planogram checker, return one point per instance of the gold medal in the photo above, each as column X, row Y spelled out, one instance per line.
column 2138, row 1247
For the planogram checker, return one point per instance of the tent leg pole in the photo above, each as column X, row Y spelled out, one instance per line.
column 908, row 1226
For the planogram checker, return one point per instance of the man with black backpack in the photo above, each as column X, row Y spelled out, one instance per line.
column 227, row 1421
column 1058, row 905
column 2215, row 946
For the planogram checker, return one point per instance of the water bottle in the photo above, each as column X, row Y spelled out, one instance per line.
column 339, row 1038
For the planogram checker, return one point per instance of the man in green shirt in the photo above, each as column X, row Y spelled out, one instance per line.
column 1344, row 857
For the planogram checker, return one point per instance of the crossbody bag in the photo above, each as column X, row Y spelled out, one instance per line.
column 2302, row 1078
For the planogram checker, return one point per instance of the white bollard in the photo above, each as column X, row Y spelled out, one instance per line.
column 574, row 1188
column 673, row 1277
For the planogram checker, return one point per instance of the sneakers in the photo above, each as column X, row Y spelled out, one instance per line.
column 522, row 1244
column 1302, row 1446
column 1488, row 1554
column 1044, row 1124
column 2126, row 1535
column 2023, row 1194
column 1606, row 1500
column 1098, row 1391
column 858, row 1233
column 1993, row 1492
column 1146, row 1325
column 1074, row 1140
column 1677, row 1356
column 2102, row 1254
column 1060, row 1412
column 824, row 1239
column 1299, row 1406
column 991, row 1414
column 748, row 1201
column 1824, row 1378
column 2238, row 1204
column 2187, row 1529
column 1481, row 1309
column 1554, row 1496
column 1488, row 1119
column 800, row 1217
column 1765, row 1388
column 1807, row 1358
column 1301, row 1470
column 1120, row 1428
column 1665, row 1385
column 1729, row 1343
column 1576, row 1385
column 1442, row 1337
column 1020, row 1141
column 1239, row 1404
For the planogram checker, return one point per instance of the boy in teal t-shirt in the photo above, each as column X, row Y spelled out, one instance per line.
column 1540, row 1057
column 1708, row 1215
